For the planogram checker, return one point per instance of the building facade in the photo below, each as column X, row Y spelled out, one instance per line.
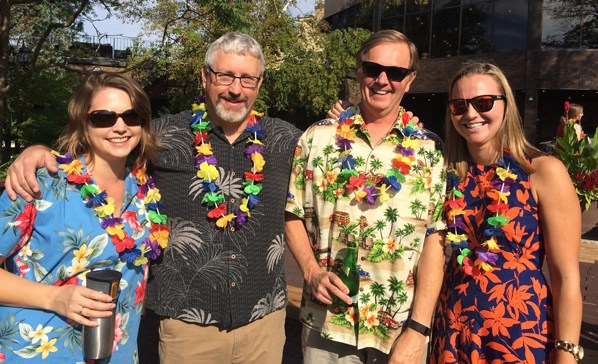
column 547, row 48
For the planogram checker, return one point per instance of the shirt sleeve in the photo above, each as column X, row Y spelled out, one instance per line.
column 18, row 217
column 298, row 183
column 436, row 219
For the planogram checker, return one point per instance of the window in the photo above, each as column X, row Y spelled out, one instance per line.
column 570, row 24
column 445, row 32
column 476, row 28
column 510, row 25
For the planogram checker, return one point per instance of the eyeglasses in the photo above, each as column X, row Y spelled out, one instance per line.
column 482, row 103
column 393, row 73
column 227, row 79
column 106, row 118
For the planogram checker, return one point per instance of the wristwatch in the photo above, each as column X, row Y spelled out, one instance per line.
column 576, row 350
column 422, row 329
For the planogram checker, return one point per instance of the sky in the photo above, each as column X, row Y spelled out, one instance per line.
column 112, row 26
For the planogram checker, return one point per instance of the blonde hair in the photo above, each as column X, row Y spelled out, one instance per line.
column 74, row 138
column 387, row 36
column 510, row 135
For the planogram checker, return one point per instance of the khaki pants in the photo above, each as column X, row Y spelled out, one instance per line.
column 259, row 342
column 317, row 350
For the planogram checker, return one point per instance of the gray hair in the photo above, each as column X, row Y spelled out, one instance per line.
column 237, row 43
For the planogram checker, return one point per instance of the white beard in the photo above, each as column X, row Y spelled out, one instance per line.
column 229, row 116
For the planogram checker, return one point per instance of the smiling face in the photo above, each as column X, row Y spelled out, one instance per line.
column 231, row 104
column 112, row 144
column 480, row 129
column 380, row 96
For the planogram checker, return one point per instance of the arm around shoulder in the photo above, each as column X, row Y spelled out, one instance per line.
column 21, row 177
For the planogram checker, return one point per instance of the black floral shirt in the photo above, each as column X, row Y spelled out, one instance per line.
column 208, row 275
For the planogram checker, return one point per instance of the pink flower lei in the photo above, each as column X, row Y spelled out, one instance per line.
column 207, row 171
column 103, row 207
column 476, row 261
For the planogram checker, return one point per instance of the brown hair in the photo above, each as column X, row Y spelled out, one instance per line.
column 387, row 36
column 74, row 138
column 510, row 135
column 575, row 110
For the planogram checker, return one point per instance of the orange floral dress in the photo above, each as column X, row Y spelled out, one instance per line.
column 503, row 315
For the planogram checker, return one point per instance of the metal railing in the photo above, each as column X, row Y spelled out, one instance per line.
column 115, row 47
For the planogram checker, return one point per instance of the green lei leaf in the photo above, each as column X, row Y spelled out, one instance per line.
column 212, row 198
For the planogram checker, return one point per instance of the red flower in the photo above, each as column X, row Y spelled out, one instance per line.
column 201, row 136
column 567, row 106
column 256, row 177
column 79, row 179
column 158, row 227
column 121, row 244
column 140, row 292
column 131, row 218
column 402, row 166
column 217, row 212
column 355, row 182
column 405, row 119
column 73, row 281
column 252, row 120
column 24, row 222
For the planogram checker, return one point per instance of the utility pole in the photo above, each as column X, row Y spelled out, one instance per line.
column 377, row 15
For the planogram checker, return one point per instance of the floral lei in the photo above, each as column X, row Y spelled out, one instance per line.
column 364, row 185
column 103, row 207
column 207, row 171
column 477, row 261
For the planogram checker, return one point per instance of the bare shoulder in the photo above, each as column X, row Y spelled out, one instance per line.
column 548, row 167
column 550, row 178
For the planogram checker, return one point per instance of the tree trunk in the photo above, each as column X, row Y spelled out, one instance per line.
column 5, row 52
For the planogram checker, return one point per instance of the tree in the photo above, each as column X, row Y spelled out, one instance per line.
column 578, row 20
column 45, row 31
column 305, row 62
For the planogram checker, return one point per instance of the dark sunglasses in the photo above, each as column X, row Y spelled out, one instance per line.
column 393, row 73
column 106, row 119
column 482, row 103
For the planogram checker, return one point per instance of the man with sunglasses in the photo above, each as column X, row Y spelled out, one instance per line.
column 371, row 181
column 220, row 289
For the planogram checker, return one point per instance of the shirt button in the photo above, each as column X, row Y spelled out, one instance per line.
column 362, row 258
column 232, row 173
column 233, row 256
column 360, row 289
column 233, row 284
column 232, row 228
column 232, row 200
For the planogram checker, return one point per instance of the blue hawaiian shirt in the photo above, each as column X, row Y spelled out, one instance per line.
column 57, row 240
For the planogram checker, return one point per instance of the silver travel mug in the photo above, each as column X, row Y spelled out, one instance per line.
column 97, row 341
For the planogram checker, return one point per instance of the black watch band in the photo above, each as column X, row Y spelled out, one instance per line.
column 424, row 330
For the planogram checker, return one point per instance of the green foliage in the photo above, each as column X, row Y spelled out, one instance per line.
column 38, row 109
column 305, row 63
column 580, row 157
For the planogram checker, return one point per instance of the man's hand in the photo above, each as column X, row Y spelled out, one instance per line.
column 408, row 348
column 21, row 179
column 341, row 105
column 327, row 285
column 336, row 109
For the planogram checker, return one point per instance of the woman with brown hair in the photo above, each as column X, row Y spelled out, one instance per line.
column 100, row 211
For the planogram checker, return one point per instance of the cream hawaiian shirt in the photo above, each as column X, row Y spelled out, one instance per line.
column 386, row 197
